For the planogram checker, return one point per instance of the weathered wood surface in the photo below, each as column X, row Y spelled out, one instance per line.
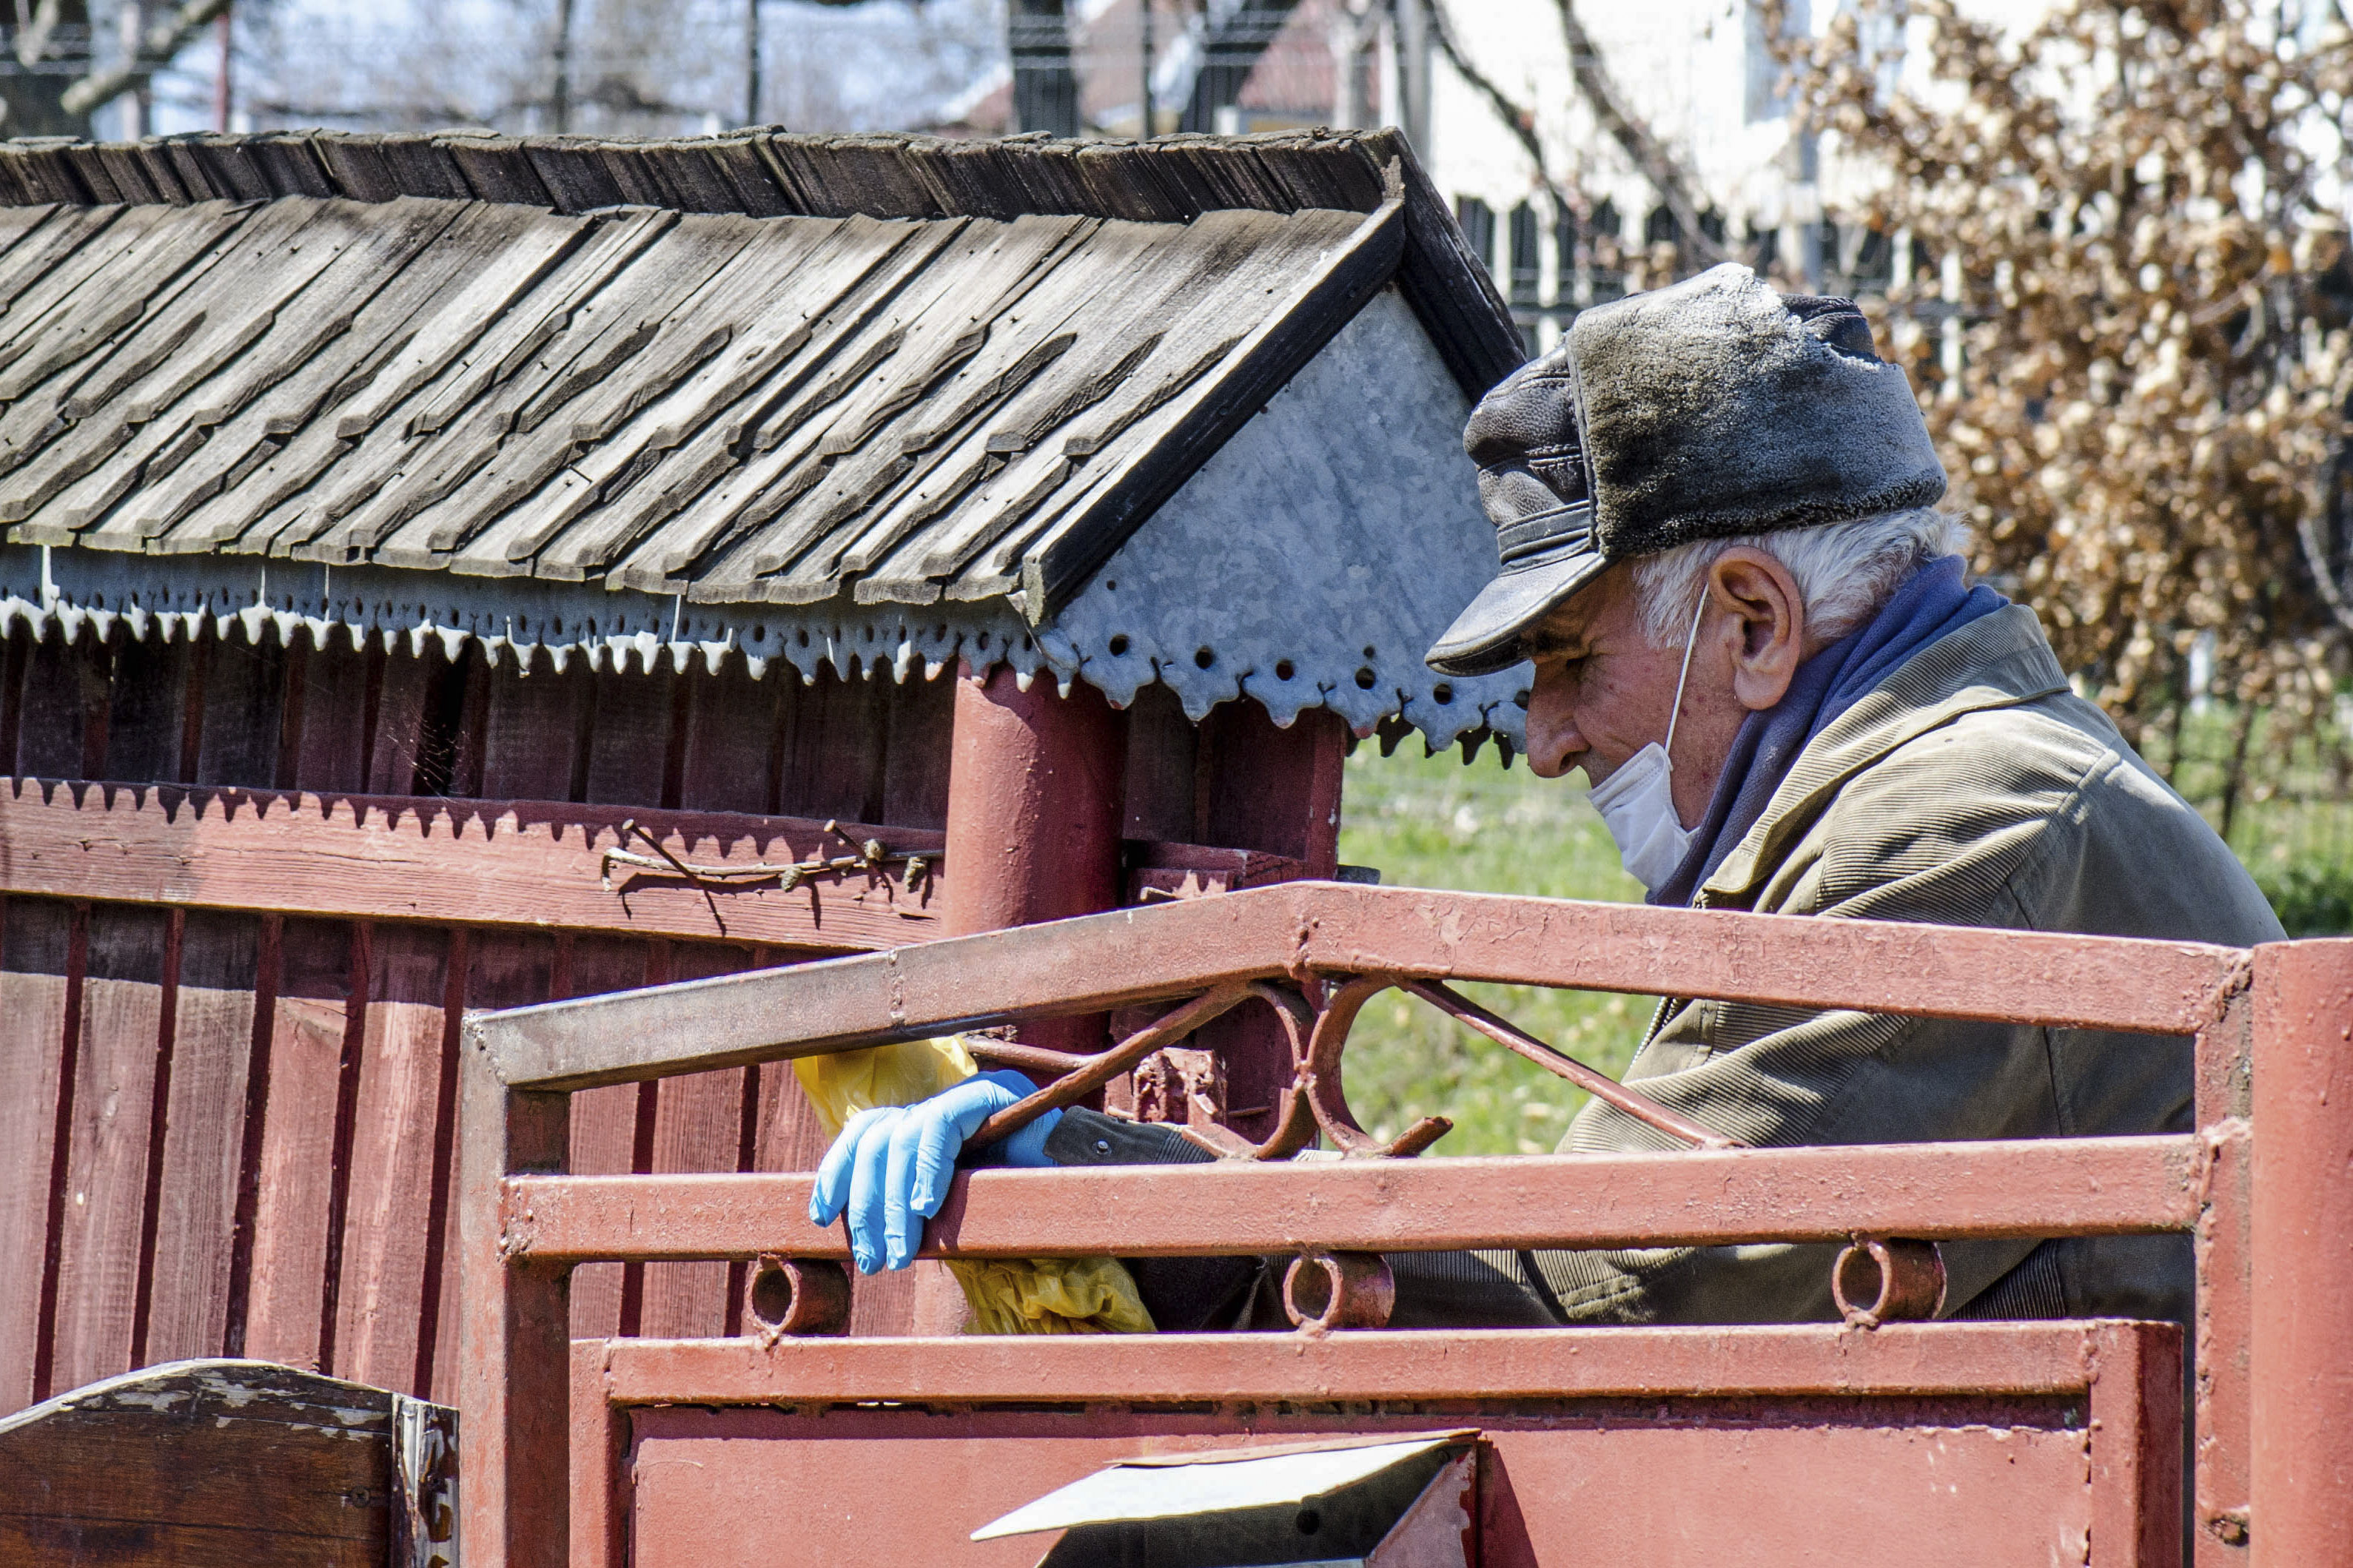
column 700, row 404
column 768, row 176
column 421, row 858
column 204, row 1463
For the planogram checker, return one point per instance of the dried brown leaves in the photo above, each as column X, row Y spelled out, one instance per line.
column 2154, row 303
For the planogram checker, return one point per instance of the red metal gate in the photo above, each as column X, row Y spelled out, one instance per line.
column 1981, row 1443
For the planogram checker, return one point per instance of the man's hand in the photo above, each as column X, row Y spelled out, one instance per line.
column 889, row 1168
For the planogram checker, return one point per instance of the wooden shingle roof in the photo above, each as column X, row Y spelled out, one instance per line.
column 735, row 371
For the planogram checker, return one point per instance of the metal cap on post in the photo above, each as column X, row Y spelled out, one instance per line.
column 2303, row 1253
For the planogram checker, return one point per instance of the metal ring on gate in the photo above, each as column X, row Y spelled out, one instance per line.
column 1877, row 1281
column 796, row 1298
column 1339, row 1290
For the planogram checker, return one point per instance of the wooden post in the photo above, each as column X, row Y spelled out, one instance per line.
column 2302, row 1241
column 514, row 1372
column 1036, row 801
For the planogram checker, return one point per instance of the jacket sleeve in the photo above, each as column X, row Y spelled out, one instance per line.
column 1434, row 1289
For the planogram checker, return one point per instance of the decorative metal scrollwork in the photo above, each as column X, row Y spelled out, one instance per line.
column 1315, row 1020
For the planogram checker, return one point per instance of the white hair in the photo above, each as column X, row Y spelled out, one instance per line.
column 1845, row 570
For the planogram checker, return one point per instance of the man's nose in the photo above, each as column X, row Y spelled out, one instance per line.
column 1555, row 743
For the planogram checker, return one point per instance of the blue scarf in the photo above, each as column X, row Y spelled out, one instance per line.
column 1931, row 603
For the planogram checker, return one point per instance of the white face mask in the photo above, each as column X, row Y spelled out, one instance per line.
column 1637, row 803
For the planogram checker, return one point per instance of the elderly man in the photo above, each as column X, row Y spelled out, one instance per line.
column 1746, row 627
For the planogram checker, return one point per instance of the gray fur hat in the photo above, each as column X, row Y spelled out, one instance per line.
column 1713, row 408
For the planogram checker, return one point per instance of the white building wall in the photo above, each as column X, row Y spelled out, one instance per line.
column 1695, row 73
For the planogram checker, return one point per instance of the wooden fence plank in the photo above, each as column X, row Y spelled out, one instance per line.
column 603, row 1121
column 916, row 750
column 298, row 1143
column 106, row 1170
column 33, row 986
column 212, row 1047
column 53, row 727
column 833, row 749
column 380, row 1301
column 398, row 736
column 629, row 751
column 730, row 728
column 147, row 723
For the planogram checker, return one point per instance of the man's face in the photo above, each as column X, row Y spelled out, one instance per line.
column 1601, row 690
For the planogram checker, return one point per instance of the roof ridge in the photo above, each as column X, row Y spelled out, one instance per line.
column 766, row 173
column 760, row 171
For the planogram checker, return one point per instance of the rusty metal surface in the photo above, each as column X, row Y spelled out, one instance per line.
column 2301, row 1327
column 1688, row 1487
column 1875, row 1281
column 799, row 1295
column 1173, row 948
column 2220, row 1394
column 1915, row 1429
column 1083, row 1081
column 601, row 1498
column 1319, row 1082
column 2036, row 1187
column 2137, row 1450
column 2225, row 1307
column 2125, row 1461
column 1385, row 1363
column 1607, row 1089
column 1324, row 1291
column 514, row 1357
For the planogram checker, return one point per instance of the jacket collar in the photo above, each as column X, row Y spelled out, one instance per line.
column 1999, row 660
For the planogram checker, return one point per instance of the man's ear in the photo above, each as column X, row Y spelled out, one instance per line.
column 1769, row 614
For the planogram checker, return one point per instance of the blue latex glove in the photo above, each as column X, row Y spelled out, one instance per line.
column 889, row 1168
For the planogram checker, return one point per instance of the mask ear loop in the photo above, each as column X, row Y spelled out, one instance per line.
column 1690, row 641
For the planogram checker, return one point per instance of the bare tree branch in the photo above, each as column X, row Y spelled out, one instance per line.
column 1660, row 167
column 1521, row 122
column 156, row 48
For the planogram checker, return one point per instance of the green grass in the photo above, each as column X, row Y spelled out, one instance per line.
column 1433, row 823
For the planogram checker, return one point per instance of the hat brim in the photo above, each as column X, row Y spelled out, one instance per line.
column 1485, row 637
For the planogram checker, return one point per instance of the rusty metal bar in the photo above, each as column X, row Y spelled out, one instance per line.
column 1102, row 962
column 2136, row 1472
column 600, row 1465
column 2301, row 1255
column 2225, row 1307
column 2038, row 1358
column 1074, row 1086
column 2224, row 1054
column 1033, row 1059
column 513, row 1356
column 2036, row 1187
column 1607, row 1089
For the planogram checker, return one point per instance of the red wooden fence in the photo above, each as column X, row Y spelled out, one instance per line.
column 227, row 1040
